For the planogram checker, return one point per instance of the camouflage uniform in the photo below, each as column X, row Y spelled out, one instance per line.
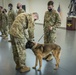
column 0, row 20
column 20, row 11
column 4, row 24
column 11, row 17
column 17, row 32
column 30, row 27
column 50, row 19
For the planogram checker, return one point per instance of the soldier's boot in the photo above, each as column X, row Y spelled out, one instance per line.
column 9, row 40
column 6, row 38
column 49, row 57
column 25, row 69
column 3, row 36
column 0, row 35
column 18, row 67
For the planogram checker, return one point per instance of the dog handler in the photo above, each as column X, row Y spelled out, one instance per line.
column 18, row 34
column 51, row 22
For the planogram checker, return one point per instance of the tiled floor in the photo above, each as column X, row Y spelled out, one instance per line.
column 67, row 41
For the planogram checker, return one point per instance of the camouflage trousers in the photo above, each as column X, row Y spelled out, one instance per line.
column 0, row 25
column 19, row 54
column 31, row 33
column 9, row 25
column 49, row 37
column 4, row 31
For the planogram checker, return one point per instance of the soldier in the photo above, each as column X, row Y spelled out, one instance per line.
column 4, row 24
column 31, row 26
column 11, row 16
column 1, row 20
column 19, row 7
column 18, row 34
column 51, row 22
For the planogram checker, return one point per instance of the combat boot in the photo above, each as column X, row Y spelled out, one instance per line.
column 0, row 35
column 3, row 36
column 18, row 67
column 24, row 69
column 9, row 40
column 6, row 38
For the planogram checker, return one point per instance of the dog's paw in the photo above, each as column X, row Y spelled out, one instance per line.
column 34, row 67
column 55, row 64
column 55, row 68
column 38, row 69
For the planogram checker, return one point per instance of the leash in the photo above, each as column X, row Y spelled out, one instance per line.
column 40, row 37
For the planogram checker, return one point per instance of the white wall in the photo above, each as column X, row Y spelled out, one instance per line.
column 24, row 2
column 40, row 6
column 64, row 9
column 0, row 2
column 4, row 3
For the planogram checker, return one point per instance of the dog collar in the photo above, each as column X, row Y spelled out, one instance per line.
column 34, row 46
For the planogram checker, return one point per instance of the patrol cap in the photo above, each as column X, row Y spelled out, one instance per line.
column 10, row 4
column 50, row 3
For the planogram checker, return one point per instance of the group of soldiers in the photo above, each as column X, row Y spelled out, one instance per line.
column 7, row 19
column 17, row 25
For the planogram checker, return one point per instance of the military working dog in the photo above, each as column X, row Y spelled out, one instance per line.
column 43, row 50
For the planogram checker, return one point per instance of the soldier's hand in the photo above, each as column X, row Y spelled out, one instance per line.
column 50, row 28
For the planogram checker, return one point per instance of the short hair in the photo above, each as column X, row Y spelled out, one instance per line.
column 10, row 4
column 36, row 14
column 19, row 4
column 50, row 3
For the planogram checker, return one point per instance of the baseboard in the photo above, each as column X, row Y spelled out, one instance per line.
column 62, row 27
column 39, row 23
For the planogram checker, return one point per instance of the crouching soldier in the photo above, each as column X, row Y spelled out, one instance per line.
column 17, row 32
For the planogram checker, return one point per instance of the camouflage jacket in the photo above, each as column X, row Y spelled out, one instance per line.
column 4, row 20
column 20, row 11
column 19, row 25
column 30, row 21
column 0, row 19
column 51, row 19
column 11, row 16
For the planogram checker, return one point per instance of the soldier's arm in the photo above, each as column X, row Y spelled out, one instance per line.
column 25, row 28
column 14, row 15
column 1, row 20
column 44, row 20
column 6, row 20
column 57, row 21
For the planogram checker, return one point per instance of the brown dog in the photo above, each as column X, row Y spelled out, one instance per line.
column 41, row 51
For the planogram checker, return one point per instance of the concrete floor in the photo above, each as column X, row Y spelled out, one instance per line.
column 67, row 41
